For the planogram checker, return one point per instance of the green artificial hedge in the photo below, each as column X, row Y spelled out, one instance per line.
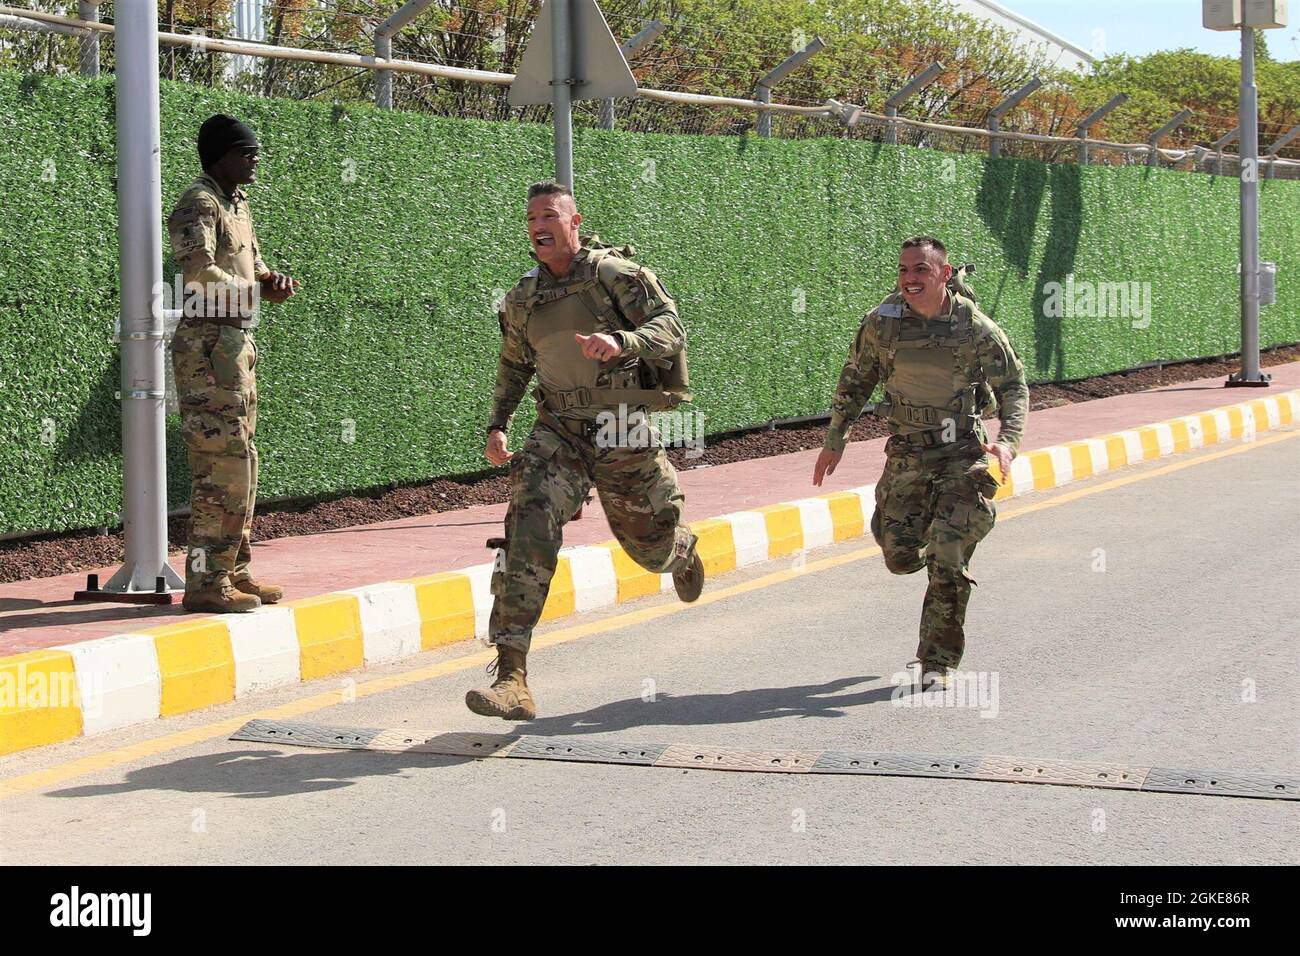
column 404, row 228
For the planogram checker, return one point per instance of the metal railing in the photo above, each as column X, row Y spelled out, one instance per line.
column 850, row 115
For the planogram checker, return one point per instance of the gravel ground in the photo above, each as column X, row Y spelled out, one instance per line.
column 49, row 555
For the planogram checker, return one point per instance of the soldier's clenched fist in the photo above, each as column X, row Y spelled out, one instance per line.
column 599, row 346
column 496, row 451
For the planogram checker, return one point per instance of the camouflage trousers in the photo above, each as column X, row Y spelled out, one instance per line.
column 549, row 479
column 933, row 506
column 217, row 392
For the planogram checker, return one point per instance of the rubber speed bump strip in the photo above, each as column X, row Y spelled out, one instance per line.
column 1000, row 769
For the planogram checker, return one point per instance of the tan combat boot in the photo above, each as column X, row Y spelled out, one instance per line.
column 508, row 697
column 689, row 581
column 266, row 593
column 219, row 597
column 933, row 675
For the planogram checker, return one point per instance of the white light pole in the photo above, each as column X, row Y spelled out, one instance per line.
column 1246, row 16
column 144, row 575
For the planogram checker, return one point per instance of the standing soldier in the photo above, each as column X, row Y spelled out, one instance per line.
column 213, row 357
column 936, row 355
column 604, row 338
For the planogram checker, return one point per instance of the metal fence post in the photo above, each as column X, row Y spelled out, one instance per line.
column 1001, row 110
column 1277, row 147
column 917, row 83
column 647, row 35
column 88, row 61
column 763, row 92
column 384, row 48
column 1087, row 123
column 1153, row 157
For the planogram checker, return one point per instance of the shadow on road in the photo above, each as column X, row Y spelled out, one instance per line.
column 279, row 772
column 265, row 772
column 694, row 710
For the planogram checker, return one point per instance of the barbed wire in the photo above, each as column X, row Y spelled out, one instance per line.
column 679, row 58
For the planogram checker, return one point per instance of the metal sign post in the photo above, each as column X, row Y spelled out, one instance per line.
column 561, row 91
column 145, row 576
column 572, row 55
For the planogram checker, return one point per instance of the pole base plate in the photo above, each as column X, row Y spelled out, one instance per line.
column 130, row 597
column 1235, row 380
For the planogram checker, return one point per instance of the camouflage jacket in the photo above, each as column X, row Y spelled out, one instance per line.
column 871, row 362
column 648, row 326
column 212, row 237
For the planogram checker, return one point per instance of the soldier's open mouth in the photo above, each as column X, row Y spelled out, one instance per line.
column 913, row 289
column 544, row 241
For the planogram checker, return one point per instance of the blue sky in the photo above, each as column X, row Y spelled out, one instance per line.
column 1137, row 27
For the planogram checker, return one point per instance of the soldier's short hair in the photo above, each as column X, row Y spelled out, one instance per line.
column 549, row 187
column 927, row 242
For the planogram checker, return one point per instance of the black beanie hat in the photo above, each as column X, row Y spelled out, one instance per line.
column 219, row 134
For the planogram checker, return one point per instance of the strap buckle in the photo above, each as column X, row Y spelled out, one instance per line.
column 578, row 398
column 919, row 415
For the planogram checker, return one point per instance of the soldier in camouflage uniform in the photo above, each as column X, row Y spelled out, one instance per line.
column 213, row 357
column 936, row 354
column 586, row 321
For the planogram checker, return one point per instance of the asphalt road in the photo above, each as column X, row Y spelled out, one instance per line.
column 1148, row 618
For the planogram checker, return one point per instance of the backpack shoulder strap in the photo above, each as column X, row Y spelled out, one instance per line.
column 888, row 328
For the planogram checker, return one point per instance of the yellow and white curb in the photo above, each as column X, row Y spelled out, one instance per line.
column 102, row 685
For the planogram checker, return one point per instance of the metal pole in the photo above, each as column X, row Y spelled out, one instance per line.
column 562, row 90
column 1249, row 113
column 763, row 92
column 1217, row 148
column 139, row 210
column 647, row 35
column 383, row 78
column 1153, row 157
column 384, row 47
column 921, row 80
column 89, row 58
column 1277, row 147
column 1001, row 110
column 1087, row 123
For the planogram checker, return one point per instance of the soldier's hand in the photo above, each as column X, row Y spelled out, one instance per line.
column 826, row 462
column 276, row 287
column 1003, row 455
column 600, row 346
column 495, row 451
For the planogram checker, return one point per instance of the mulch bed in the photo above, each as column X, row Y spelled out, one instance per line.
column 60, row 553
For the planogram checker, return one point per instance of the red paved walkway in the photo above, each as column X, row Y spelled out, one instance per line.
column 40, row 613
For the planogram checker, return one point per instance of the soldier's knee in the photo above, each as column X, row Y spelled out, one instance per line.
column 653, row 555
column 904, row 560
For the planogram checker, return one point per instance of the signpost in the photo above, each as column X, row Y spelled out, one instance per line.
column 572, row 55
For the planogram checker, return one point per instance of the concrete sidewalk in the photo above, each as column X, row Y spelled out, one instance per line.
column 39, row 613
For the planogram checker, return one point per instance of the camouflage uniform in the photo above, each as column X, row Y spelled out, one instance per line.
column 213, row 357
column 562, row 458
column 934, row 501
